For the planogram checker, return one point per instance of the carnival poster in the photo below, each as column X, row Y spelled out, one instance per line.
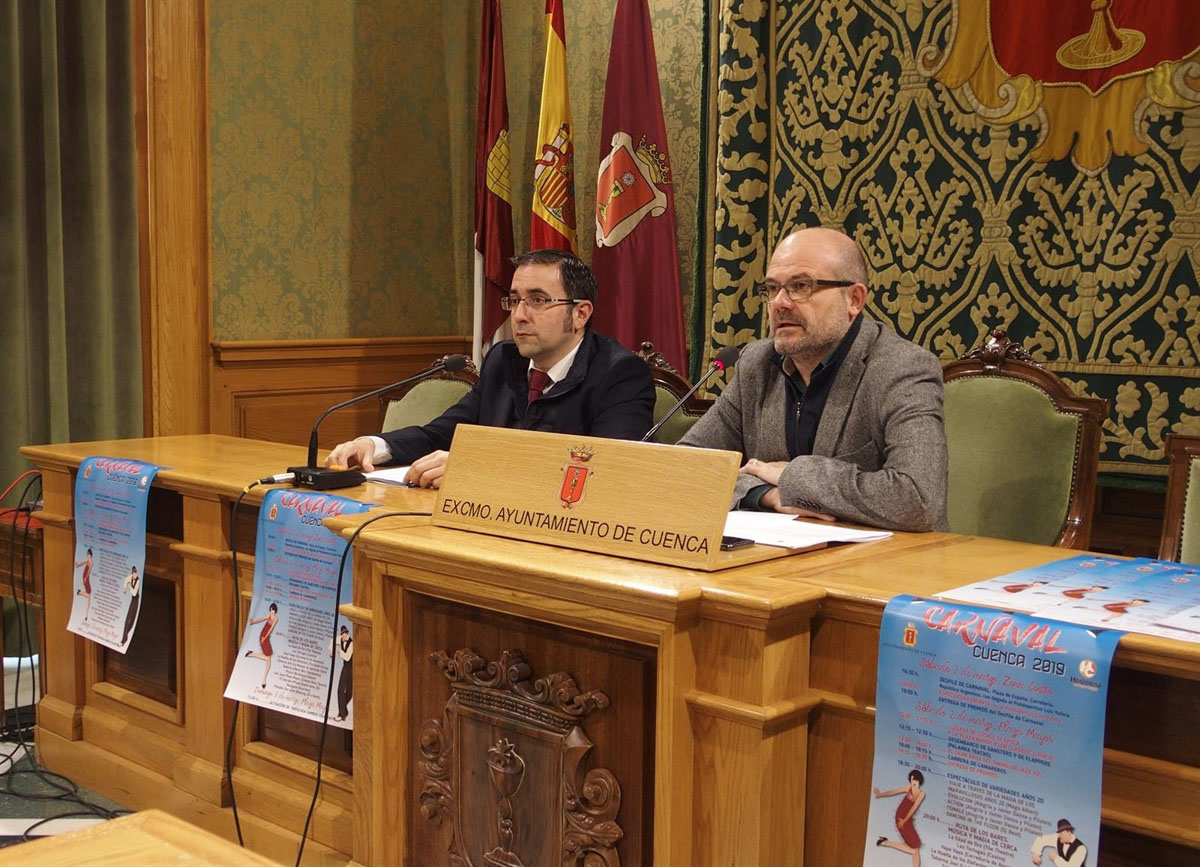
column 1153, row 597
column 989, row 734
column 286, row 649
column 110, row 549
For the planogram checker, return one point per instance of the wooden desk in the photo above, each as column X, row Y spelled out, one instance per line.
column 758, row 692
column 737, row 711
column 147, row 838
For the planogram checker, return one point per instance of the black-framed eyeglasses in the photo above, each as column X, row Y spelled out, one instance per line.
column 798, row 288
column 536, row 303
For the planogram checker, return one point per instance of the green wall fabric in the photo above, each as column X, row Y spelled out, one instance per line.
column 872, row 116
column 340, row 191
column 342, row 154
column 70, row 333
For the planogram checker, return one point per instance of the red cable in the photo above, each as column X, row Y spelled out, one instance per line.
column 17, row 481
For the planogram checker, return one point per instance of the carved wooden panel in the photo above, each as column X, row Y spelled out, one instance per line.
column 533, row 746
column 546, row 716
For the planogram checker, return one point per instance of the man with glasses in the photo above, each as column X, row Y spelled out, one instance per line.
column 556, row 374
column 835, row 415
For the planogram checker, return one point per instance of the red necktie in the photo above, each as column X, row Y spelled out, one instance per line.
column 538, row 381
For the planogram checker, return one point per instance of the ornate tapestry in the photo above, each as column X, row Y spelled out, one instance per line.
column 999, row 168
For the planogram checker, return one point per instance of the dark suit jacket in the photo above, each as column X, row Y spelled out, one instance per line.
column 879, row 457
column 608, row 392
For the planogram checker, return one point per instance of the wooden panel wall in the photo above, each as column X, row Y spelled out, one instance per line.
column 274, row 390
column 171, row 119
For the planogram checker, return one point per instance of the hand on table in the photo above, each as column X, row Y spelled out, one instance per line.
column 427, row 472
column 358, row 452
column 770, row 472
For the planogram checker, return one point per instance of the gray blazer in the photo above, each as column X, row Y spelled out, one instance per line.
column 880, row 452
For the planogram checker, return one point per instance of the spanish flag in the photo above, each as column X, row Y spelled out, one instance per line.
column 553, row 220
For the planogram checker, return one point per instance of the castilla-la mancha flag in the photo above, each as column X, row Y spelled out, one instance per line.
column 636, row 259
column 552, row 224
column 493, row 186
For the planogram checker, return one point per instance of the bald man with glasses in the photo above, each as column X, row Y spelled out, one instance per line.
column 556, row 374
column 836, row 416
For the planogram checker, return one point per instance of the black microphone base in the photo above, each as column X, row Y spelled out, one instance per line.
column 321, row 479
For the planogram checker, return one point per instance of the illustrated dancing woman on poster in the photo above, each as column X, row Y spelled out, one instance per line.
column 909, row 842
column 1021, row 588
column 264, row 639
column 132, row 585
column 86, row 578
column 345, row 689
column 1080, row 592
column 1116, row 609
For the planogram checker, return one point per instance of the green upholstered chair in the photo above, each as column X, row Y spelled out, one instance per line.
column 1023, row 449
column 425, row 400
column 1181, row 523
column 669, row 387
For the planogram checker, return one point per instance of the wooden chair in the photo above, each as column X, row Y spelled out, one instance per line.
column 426, row 399
column 669, row 387
column 1181, row 523
column 1024, row 450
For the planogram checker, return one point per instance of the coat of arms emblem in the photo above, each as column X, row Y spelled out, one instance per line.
column 575, row 474
column 554, row 178
column 629, row 188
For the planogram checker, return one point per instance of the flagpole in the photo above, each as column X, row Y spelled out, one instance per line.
column 477, row 309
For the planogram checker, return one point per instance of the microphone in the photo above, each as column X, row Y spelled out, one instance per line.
column 724, row 359
column 323, row 478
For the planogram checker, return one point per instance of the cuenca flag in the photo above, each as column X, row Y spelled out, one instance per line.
column 553, row 222
column 493, row 197
column 636, row 258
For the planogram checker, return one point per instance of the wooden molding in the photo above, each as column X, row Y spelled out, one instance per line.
column 275, row 389
column 171, row 119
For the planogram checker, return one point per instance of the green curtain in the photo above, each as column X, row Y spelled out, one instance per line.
column 70, row 323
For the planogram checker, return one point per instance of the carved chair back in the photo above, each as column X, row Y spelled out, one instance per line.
column 1023, row 448
column 423, row 401
column 669, row 386
column 1181, row 523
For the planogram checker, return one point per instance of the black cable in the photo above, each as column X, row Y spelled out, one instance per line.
column 66, row 790
column 237, row 645
column 24, row 633
column 337, row 595
column 27, row 834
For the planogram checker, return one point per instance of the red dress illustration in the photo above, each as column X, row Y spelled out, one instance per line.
column 907, row 832
column 264, row 637
column 268, row 621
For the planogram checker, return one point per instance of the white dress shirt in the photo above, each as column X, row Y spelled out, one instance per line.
column 557, row 374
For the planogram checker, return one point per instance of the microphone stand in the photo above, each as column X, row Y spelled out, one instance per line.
column 718, row 364
column 323, row 478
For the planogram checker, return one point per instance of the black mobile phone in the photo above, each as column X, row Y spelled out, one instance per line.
column 728, row 543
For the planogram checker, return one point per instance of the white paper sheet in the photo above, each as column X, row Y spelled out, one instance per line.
column 786, row 531
column 390, row 476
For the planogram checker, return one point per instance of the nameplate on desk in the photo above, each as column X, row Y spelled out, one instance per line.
column 664, row 504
